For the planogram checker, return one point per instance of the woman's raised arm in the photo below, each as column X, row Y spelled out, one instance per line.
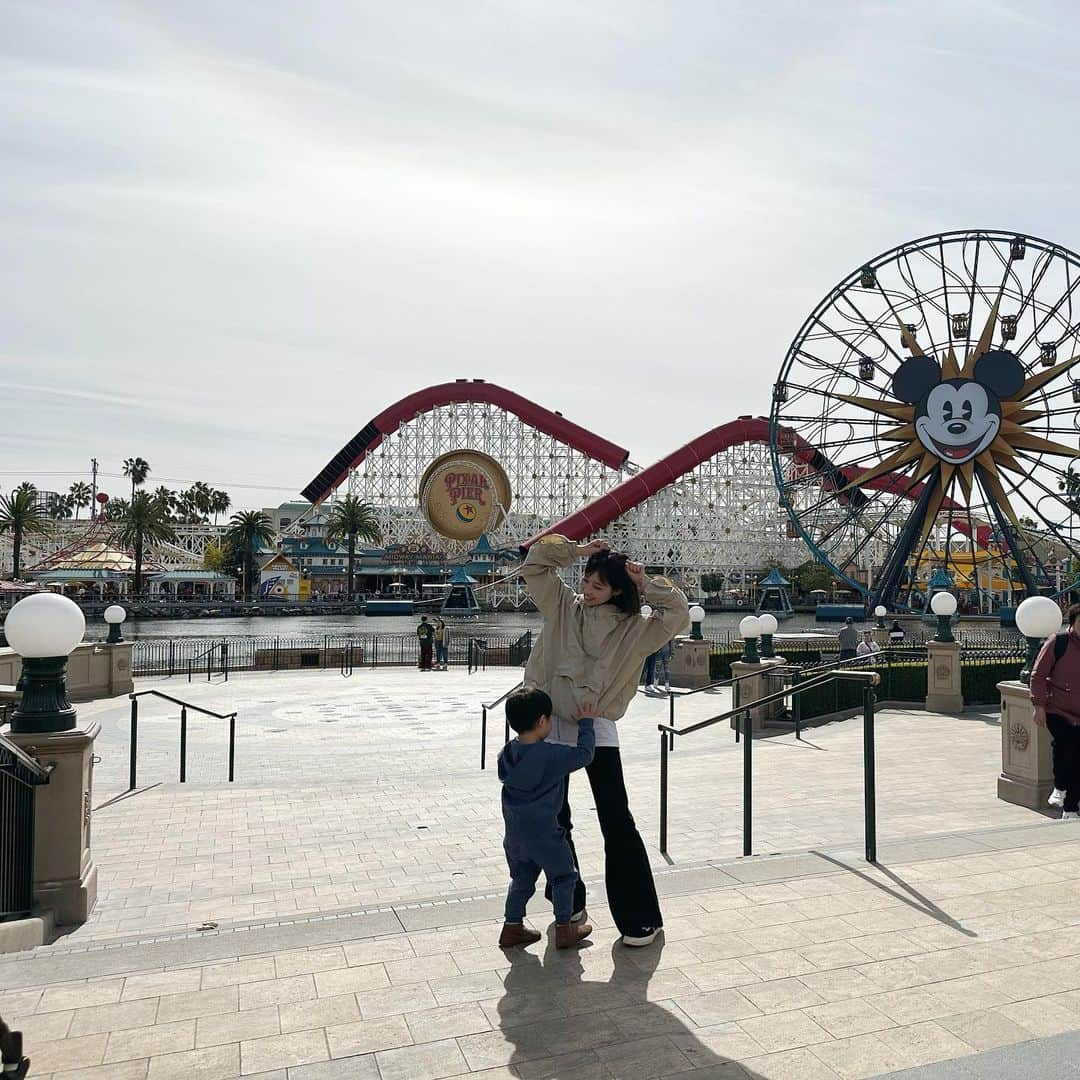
column 540, row 570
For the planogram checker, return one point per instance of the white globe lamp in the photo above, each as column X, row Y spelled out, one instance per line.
column 750, row 631
column 768, row 625
column 880, row 612
column 1037, row 618
column 114, row 616
column 697, row 617
column 44, row 629
column 943, row 605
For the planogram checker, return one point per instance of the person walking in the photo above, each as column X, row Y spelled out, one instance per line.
column 442, row 645
column 591, row 651
column 1055, row 695
column 426, row 633
column 848, row 639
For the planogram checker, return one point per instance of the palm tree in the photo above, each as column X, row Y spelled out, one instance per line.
column 352, row 520
column 81, row 494
column 115, row 509
column 60, row 506
column 145, row 522
column 20, row 516
column 219, row 502
column 138, row 469
column 246, row 529
column 167, row 498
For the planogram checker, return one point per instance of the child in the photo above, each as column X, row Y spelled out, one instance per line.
column 533, row 774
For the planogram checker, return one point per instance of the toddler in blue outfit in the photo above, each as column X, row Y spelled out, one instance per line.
column 533, row 774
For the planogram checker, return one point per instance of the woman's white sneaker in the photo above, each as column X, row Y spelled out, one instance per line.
column 647, row 937
column 1057, row 798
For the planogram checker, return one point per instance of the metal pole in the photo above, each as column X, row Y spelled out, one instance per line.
column 747, row 792
column 225, row 658
column 735, row 704
column 796, row 706
column 671, row 721
column 663, row 792
column 183, row 744
column 483, row 736
column 232, row 746
column 869, row 788
column 133, row 743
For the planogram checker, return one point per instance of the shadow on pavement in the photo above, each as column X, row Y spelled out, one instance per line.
column 567, row 1022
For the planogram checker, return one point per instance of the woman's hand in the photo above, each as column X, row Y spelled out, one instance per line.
column 635, row 571
column 585, row 711
column 586, row 550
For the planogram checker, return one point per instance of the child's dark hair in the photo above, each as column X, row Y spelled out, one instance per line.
column 524, row 708
column 610, row 567
column 1072, row 614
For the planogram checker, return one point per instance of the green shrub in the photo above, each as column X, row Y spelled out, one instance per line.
column 979, row 679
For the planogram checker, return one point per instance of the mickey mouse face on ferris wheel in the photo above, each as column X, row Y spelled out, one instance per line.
column 957, row 419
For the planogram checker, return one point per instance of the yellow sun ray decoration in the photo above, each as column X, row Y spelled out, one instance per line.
column 951, row 423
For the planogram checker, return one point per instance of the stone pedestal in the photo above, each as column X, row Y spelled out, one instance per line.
column 1027, row 774
column 121, row 680
column 943, row 692
column 753, row 688
column 689, row 664
column 65, row 877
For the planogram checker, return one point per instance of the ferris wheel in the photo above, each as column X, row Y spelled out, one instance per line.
column 926, row 417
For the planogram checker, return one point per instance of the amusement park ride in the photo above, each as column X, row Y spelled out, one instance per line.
column 924, row 422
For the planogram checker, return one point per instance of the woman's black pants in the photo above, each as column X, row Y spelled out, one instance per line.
column 631, row 893
column 1066, row 757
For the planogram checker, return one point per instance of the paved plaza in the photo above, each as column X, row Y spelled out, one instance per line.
column 332, row 913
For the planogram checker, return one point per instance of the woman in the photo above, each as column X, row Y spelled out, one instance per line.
column 591, row 651
column 442, row 645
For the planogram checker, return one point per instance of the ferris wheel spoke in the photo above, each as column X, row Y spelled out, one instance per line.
column 1021, row 494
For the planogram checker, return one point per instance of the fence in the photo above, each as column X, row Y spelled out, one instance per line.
column 19, row 776
column 218, row 656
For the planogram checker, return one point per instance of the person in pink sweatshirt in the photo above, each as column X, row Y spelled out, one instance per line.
column 1055, row 693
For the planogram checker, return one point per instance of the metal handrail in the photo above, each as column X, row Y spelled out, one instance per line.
column 483, row 723
column 869, row 678
column 223, row 646
column 133, row 741
column 41, row 773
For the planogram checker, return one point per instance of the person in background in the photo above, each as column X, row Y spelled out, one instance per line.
column 848, row 639
column 659, row 663
column 1055, row 694
column 896, row 633
column 442, row 645
column 868, row 645
column 426, row 633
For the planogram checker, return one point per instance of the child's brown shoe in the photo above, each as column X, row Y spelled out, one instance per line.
column 516, row 934
column 571, row 935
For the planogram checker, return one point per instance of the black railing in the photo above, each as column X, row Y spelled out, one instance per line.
column 133, row 742
column 484, row 723
column 220, row 656
column 743, row 715
column 20, row 774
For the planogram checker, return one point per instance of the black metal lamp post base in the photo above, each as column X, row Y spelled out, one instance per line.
column 44, row 706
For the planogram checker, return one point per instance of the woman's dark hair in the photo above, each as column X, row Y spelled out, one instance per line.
column 610, row 568
column 1072, row 614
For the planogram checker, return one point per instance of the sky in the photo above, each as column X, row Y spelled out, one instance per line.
column 233, row 233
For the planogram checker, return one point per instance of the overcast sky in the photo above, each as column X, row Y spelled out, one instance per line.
column 234, row 231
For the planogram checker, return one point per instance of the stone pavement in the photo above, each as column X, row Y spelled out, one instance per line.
column 355, row 876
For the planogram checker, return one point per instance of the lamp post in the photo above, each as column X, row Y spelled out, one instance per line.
column 1036, row 618
column 943, row 605
column 697, row 616
column 880, row 613
column 44, row 629
column 767, row 624
column 114, row 616
column 750, row 630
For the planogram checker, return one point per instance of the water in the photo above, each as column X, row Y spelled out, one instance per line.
column 509, row 624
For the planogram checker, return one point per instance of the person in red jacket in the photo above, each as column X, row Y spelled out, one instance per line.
column 1055, row 693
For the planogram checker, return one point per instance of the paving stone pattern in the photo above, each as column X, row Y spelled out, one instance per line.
column 962, row 945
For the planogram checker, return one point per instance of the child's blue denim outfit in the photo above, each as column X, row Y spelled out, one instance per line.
column 533, row 776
